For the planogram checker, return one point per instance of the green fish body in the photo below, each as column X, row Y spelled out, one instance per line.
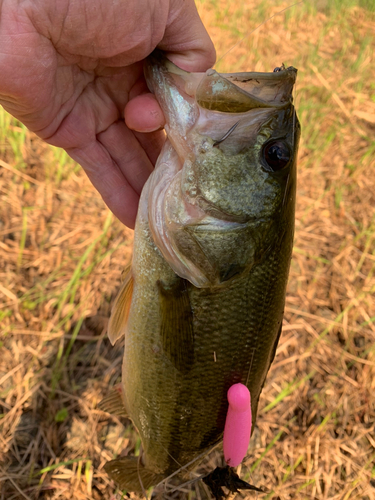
column 202, row 304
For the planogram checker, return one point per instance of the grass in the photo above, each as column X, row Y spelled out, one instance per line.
column 62, row 254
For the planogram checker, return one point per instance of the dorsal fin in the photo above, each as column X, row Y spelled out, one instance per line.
column 121, row 307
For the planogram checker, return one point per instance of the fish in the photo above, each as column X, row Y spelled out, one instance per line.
column 202, row 302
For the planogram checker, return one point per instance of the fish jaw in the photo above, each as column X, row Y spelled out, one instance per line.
column 214, row 206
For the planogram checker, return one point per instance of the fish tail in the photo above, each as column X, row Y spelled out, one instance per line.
column 131, row 475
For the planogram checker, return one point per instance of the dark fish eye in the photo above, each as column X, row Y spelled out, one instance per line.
column 276, row 154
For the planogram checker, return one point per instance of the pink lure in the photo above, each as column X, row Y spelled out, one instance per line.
column 237, row 425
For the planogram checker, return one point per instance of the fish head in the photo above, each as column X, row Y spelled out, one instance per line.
column 223, row 191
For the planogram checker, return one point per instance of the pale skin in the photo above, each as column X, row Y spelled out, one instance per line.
column 72, row 72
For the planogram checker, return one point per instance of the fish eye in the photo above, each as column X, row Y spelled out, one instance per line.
column 276, row 154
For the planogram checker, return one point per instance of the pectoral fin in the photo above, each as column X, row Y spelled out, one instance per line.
column 121, row 308
column 177, row 323
column 113, row 403
column 131, row 475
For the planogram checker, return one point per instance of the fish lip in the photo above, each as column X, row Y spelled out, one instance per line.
column 158, row 58
column 210, row 89
column 244, row 77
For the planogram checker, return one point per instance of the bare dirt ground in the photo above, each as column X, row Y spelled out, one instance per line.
column 62, row 254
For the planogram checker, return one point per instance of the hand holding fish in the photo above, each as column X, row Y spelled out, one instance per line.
column 69, row 69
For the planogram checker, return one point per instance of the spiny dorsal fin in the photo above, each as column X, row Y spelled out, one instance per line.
column 177, row 323
column 113, row 403
column 126, row 471
column 121, row 307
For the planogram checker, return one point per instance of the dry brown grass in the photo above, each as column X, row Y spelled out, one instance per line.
column 61, row 257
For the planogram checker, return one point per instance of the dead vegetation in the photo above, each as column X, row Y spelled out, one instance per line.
column 62, row 253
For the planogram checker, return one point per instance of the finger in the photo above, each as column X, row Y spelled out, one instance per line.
column 151, row 143
column 118, row 167
column 108, row 179
column 144, row 114
column 127, row 153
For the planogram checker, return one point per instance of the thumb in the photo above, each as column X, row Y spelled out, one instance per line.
column 186, row 41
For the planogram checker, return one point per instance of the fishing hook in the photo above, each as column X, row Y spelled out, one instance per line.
column 216, row 143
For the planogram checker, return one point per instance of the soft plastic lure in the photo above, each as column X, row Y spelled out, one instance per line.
column 237, row 429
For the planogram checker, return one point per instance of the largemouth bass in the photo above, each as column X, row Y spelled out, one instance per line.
column 202, row 304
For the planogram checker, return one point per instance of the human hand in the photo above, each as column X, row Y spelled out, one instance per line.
column 73, row 71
